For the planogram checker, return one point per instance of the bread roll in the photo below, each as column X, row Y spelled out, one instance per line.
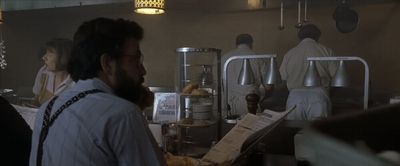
column 189, row 88
column 178, row 160
column 199, row 92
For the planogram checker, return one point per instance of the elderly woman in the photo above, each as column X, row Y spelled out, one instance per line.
column 53, row 77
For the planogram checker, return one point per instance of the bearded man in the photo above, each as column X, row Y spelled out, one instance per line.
column 99, row 121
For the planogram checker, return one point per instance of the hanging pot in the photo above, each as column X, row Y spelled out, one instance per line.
column 346, row 19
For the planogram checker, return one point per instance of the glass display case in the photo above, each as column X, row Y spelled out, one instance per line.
column 198, row 89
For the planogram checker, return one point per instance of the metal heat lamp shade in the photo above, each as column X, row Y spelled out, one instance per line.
column 246, row 76
column 341, row 78
column 312, row 78
column 272, row 76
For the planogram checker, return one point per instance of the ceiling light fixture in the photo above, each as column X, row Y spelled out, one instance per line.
column 149, row 6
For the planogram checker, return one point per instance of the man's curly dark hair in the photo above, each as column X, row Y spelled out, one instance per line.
column 309, row 31
column 95, row 38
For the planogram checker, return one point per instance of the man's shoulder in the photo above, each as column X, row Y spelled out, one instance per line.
column 114, row 108
column 106, row 106
column 292, row 51
column 100, row 101
column 229, row 53
column 321, row 45
column 312, row 46
column 326, row 50
column 111, row 99
column 237, row 51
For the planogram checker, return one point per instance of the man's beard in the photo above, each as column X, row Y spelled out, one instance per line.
column 128, row 88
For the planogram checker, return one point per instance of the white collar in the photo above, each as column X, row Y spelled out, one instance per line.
column 243, row 46
column 308, row 40
column 93, row 83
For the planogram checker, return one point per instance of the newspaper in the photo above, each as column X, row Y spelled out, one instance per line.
column 228, row 148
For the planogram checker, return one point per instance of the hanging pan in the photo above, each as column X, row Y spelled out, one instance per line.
column 346, row 19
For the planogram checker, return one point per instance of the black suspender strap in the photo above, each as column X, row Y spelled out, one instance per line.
column 49, row 120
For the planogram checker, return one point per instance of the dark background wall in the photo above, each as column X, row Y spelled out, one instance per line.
column 375, row 40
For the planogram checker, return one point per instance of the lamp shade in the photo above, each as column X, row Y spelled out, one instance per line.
column 311, row 78
column 246, row 76
column 149, row 6
column 340, row 79
column 272, row 76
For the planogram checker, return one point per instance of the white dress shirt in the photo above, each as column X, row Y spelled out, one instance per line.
column 99, row 130
column 37, row 87
column 294, row 64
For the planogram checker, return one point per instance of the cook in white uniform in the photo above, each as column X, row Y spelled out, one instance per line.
column 237, row 93
column 311, row 103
